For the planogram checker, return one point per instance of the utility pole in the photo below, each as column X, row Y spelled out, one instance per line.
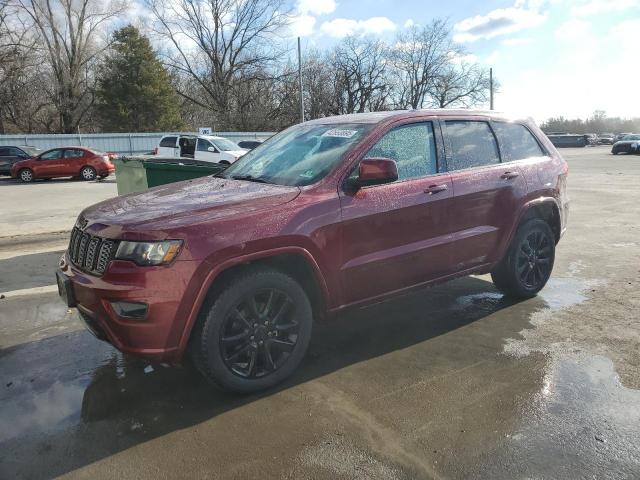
column 300, row 81
column 491, row 88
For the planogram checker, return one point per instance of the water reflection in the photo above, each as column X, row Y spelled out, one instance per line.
column 444, row 382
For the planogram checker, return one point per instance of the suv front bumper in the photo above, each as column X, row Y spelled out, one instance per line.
column 157, row 335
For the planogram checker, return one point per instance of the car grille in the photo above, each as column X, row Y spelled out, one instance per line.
column 90, row 253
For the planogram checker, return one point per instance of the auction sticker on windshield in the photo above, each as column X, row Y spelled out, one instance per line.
column 336, row 132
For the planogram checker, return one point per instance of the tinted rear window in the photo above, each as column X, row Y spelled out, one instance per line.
column 517, row 141
column 168, row 142
column 472, row 144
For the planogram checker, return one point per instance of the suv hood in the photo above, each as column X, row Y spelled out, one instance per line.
column 182, row 204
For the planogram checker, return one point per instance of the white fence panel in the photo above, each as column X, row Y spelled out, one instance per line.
column 122, row 143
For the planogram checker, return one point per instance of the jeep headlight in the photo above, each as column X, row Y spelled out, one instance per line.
column 149, row 253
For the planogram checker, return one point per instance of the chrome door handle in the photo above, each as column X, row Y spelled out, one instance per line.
column 431, row 189
column 509, row 175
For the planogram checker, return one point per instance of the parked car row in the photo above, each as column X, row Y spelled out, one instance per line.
column 622, row 142
column 627, row 144
column 606, row 139
column 28, row 164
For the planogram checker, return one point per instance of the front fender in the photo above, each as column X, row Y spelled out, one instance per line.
column 212, row 272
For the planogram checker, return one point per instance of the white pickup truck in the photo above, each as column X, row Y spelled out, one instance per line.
column 207, row 148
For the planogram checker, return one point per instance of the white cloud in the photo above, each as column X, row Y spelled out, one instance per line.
column 578, row 78
column 595, row 7
column 316, row 7
column 501, row 21
column 572, row 30
column 463, row 58
column 342, row 27
column 626, row 36
column 492, row 58
column 301, row 25
column 510, row 42
column 409, row 23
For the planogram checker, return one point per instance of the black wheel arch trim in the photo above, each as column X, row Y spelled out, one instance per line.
column 217, row 270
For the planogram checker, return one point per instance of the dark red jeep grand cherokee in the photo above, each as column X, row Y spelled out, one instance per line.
column 329, row 214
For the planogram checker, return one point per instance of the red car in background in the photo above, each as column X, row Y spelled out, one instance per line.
column 80, row 162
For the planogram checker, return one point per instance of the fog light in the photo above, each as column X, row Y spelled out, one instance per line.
column 133, row 310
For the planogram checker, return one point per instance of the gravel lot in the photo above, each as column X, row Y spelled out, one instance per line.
column 452, row 382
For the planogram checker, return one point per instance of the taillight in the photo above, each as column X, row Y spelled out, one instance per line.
column 155, row 151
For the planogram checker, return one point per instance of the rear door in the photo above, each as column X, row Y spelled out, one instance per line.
column 396, row 235
column 74, row 160
column 487, row 193
column 169, row 147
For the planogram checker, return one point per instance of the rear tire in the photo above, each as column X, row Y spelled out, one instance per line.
column 527, row 266
column 254, row 333
column 26, row 175
column 88, row 174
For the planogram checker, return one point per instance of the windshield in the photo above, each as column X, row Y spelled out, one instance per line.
column 631, row 137
column 224, row 144
column 300, row 155
column 32, row 151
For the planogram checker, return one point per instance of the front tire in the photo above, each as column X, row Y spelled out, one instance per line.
column 88, row 174
column 254, row 333
column 527, row 266
column 26, row 175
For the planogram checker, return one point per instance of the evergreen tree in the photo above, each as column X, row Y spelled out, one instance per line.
column 134, row 90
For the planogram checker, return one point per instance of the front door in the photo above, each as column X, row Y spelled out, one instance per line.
column 396, row 235
column 206, row 151
column 49, row 163
column 487, row 192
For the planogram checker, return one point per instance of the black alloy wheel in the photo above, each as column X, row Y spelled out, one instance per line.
column 534, row 259
column 259, row 334
column 528, row 263
column 253, row 330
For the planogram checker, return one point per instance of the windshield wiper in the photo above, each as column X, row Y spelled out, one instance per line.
column 249, row 178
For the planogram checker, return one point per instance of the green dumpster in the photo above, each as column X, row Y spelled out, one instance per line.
column 135, row 174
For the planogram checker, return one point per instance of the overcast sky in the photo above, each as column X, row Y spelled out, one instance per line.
column 552, row 57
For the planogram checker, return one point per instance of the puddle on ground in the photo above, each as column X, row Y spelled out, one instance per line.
column 562, row 292
column 583, row 423
column 559, row 293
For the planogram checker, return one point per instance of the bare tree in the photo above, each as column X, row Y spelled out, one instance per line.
column 318, row 78
column 361, row 74
column 465, row 85
column 69, row 32
column 419, row 56
column 16, row 58
column 221, row 45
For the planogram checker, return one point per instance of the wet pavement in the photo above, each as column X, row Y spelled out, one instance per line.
column 452, row 382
